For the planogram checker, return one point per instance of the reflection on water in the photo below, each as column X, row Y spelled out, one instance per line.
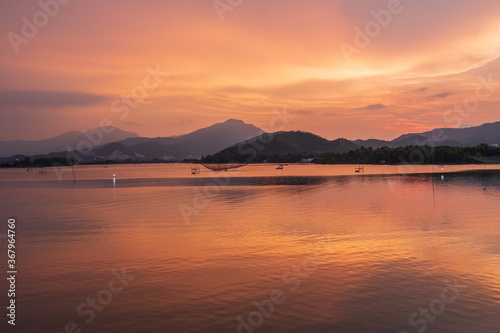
column 337, row 252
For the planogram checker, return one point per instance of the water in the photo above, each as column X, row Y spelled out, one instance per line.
column 336, row 251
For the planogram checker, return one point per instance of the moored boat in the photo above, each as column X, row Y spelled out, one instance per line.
column 222, row 166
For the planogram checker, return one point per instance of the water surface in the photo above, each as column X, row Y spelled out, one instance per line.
column 346, row 252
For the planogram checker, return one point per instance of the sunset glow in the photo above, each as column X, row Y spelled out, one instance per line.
column 407, row 73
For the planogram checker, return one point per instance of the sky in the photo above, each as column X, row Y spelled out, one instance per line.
column 357, row 69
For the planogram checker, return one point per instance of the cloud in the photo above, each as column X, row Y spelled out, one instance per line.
column 247, row 65
column 443, row 95
column 374, row 107
column 44, row 99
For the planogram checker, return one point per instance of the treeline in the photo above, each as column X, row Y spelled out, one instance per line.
column 412, row 155
column 39, row 162
column 385, row 155
column 403, row 155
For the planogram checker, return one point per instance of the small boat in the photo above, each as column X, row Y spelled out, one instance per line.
column 195, row 169
column 222, row 166
column 279, row 167
column 359, row 169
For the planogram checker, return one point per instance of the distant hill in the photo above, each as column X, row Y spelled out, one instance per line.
column 147, row 151
column 373, row 143
column 71, row 139
column 207, row 140
column 457, row 137
column 189, row 146
column 285, row 145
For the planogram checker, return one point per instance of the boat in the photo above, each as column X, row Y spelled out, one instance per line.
column 223, row 166
column 279, row 167
column 195, row 169
column 359, row 168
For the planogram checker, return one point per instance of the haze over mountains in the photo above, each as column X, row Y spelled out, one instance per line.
column 457, row 137
column 194, row 145
column 63, row 141
column 207, row 140
column 114, row 144
column 121, row 145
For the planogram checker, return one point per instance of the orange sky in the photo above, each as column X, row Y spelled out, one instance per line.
column 263, row 56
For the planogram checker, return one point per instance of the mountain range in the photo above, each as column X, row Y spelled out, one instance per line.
column 129, row 146
column 106, row 144
column 204, row 141
column 63, row 142
column 456, row 137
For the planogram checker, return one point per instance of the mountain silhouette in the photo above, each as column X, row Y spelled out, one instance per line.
column 64, row 142
column 292, row 142
column 456, row 137
column 189, row 146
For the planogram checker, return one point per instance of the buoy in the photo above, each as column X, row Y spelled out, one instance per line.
column 114, row 179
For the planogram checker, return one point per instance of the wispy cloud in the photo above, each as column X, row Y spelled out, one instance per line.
column 248, row 65
column 374, row 107
column 439, row 96
column 44, row 99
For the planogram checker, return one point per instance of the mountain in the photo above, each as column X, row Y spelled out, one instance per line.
column 95, row 137
column 280, row 143
column 208, row 140
column 458, row 137
column 147, row 151
column 189, row 146
column 373, row 143
column 464, row 137
column 215, row 140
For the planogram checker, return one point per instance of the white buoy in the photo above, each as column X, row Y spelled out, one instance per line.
column 442, row 177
